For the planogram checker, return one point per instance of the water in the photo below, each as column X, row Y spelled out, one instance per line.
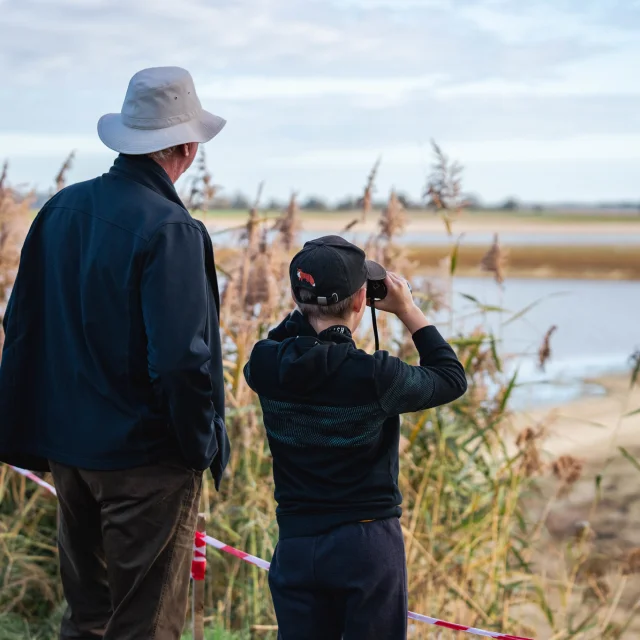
column 597, row 321
column 597, row 330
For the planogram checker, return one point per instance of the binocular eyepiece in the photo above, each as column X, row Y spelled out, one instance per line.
column 376, row 290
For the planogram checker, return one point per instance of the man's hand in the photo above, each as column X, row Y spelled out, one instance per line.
column 399, row 301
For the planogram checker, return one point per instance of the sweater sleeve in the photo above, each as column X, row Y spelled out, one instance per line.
column 280, row 332
column 439, row 379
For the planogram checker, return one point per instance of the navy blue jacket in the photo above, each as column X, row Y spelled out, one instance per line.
column 331, row 412
column 112, row 357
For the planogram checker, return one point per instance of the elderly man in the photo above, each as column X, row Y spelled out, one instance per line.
column 111, row 373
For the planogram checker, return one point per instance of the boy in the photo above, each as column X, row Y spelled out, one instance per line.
column 332, row 413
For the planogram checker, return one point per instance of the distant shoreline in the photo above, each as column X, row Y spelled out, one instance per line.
column 579, row 262
column 430, row 222
column 591, row 259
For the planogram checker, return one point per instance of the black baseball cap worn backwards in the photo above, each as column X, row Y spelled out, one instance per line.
column 332, row 269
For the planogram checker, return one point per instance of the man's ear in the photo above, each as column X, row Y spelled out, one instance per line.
column 189, row 149
column 360, row 300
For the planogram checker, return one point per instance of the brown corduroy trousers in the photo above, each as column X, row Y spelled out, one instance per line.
column 126, row 542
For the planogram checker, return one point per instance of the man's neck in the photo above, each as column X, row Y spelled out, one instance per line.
column 170, row 167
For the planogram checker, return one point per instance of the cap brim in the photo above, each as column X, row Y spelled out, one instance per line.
column 118, row 137
column 375, row 271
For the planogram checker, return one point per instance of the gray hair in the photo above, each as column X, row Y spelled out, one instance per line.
column 338, row 310
column 163, row 154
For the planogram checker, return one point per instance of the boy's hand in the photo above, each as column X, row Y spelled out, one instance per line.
column 399, row 301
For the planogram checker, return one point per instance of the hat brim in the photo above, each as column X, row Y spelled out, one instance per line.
column 375, row 271
column 123, row 139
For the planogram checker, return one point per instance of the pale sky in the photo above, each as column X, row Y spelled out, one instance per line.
column 539, row 99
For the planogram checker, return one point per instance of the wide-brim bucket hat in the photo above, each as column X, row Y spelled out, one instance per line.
column 161, row 109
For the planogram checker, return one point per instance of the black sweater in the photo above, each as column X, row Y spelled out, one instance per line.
column 331, row 412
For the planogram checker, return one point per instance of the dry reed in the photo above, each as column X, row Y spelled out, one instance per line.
column 443, row 191
column 202, row 191
column 470, row 547
column 14, row 217
column 61, row 177
column 367, row 197
column 544, row 353
column 495, row 260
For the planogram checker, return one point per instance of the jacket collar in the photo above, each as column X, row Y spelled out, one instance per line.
column 338, row 333
column 148, row 173
column 297, row 325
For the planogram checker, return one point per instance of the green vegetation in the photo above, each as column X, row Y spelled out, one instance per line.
column 219, row 633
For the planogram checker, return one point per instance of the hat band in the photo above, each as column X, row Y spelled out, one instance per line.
column 322, row 301
column 325, row 302
column 158, row 123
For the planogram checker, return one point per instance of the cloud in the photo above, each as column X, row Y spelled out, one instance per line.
column 292, row 87
column 24, row 145
column 328, row 84
column 540, row 21
column 394, row 5
column 612, row 73
column 583, row 148
column 254, row 37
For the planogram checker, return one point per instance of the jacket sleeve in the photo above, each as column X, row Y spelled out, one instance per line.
column 175, row 309
column 7, row 311
column 439, row 379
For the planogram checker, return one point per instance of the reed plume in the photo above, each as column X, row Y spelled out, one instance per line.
column 349, row 226
column 367, row 197
column 393, row 219
column 528, row 442
column 495, row 260
column 567, row 469
column 61, row 176
column 544, row 353
column 444, row 184
column 203, row 191
column 288, row 224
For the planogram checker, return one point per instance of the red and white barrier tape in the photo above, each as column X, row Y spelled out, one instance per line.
column 247, row 557
column 34, row 477
column 263, row 564
column 199, row 565
column 199, row 560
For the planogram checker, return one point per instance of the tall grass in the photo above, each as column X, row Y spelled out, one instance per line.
column 473, row 551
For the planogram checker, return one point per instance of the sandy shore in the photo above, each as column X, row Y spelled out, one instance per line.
column 605, row 499
column 592, row 426
column 592, row 430
column 428, row 222
column 606, row 496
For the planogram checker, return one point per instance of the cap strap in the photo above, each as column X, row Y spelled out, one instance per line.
column 327, row 301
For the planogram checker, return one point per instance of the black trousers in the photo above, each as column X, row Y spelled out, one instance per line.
column 349, row 583
column 126, row 542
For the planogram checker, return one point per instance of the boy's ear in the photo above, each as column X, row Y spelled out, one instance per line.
column 360, row 300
